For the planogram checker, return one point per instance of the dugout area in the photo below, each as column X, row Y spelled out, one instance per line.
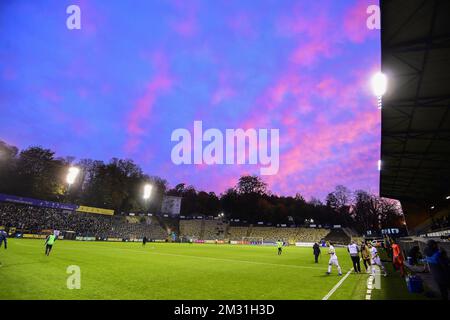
column 415, row 139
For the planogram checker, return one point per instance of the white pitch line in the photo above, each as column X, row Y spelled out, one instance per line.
column 235, row 260
column 198, row 257
column 337, row 285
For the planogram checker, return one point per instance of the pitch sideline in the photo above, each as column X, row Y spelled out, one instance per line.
column 333, row 290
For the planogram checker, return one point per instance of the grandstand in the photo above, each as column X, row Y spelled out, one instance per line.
column 216, row 229
column 237, row 233
column 338, row 236
column 190, row 228
column 33, row 220
column 291, row 235
column 137, row 229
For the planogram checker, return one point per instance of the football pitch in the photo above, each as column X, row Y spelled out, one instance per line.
column 166, row 271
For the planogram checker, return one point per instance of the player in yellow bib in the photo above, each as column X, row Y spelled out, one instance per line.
column 49, row 243
column 280, row 246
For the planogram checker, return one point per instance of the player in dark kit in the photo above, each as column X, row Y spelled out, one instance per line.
column 316, row 252
column 49, row 243
column 144, row 241
column 3, row 238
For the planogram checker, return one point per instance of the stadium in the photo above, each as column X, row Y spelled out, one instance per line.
column 355, row 128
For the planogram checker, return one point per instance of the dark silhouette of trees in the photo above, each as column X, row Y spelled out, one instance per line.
column 118, row 184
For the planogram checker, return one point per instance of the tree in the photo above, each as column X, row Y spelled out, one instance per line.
column 40, row 175
column 251, row 184
column 8, row 160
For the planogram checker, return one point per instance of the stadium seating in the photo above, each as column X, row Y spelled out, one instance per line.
column 213, row 229
column 190, row 228
column 35, row 219
column 237, row 233
column 274, row 234
column 337, row 236
column 289, row 234
column 30, row 219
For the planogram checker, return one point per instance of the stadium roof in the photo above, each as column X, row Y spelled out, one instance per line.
column 415, row 142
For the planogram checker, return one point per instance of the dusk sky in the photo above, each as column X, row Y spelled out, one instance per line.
column 138, row 70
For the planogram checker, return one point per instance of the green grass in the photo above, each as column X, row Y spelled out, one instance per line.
column 172, row 271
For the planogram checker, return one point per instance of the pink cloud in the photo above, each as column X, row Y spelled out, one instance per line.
column 355, row 19
column 308, row 53
column 242, row 23
column 138, row 118
column 186, row 27
column 186, row 21
column 51, row 95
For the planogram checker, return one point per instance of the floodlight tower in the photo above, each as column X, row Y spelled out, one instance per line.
column 147, row 193
column 72, row 175
column 379, row 86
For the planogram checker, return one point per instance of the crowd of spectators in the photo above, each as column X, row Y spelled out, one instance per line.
column 30, row 219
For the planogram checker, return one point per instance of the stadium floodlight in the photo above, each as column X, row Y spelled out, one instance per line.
column 147, row 191
column 432, row 208
column 72, row 175
column 379, row 84
column 447, row 197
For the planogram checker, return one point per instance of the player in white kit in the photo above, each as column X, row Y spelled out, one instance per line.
column 375, row 260
column 333, row 259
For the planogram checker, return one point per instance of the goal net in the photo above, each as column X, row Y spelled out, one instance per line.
column 252, row 240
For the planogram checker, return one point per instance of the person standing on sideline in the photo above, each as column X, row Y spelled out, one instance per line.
column 333, row 259
column 353, row 249
column 144, row 240
column 365, row 255
column 375, row 260
column 3, row 238
column 280, row 247
column 49, row 241
column 316, row 252
column 397, row 257
column 439, row 267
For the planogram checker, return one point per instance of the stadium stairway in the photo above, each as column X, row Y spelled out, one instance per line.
column 249, row 231
column 202, row 229
column 350, row 233
column 338, row 236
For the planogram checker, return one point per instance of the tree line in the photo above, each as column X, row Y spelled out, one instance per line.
column 118, row 184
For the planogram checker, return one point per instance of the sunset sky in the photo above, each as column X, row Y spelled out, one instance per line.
column 138, row 70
